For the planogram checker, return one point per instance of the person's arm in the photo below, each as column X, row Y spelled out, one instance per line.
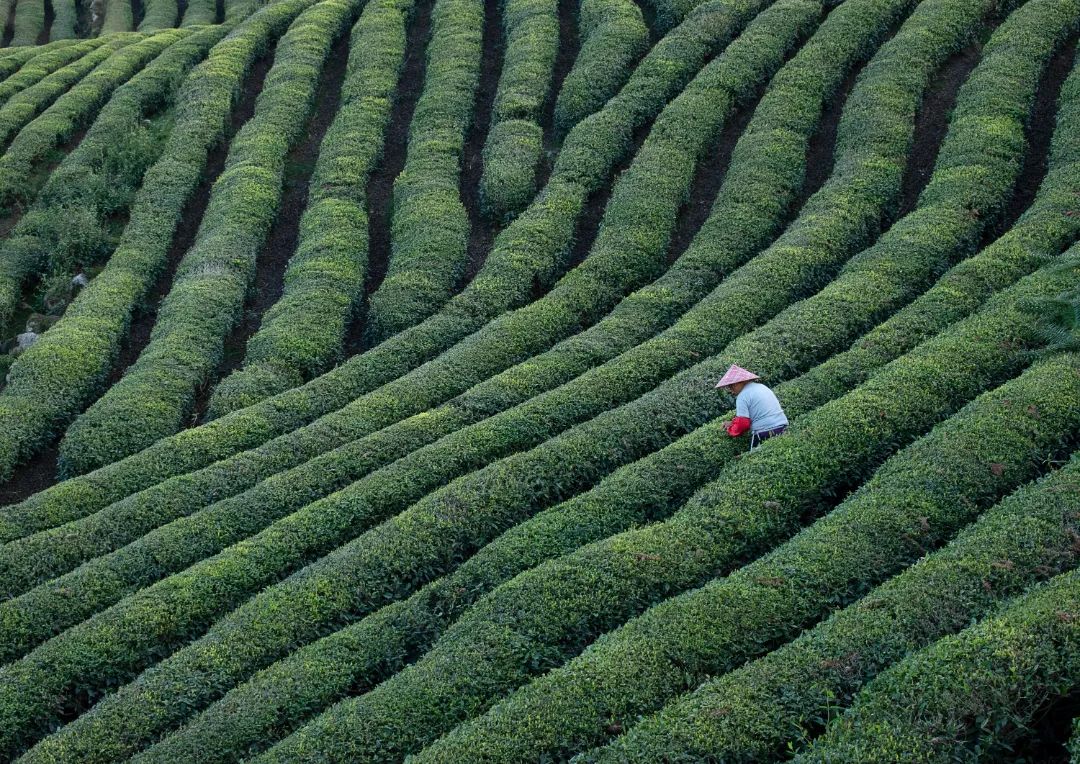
column 741, row 422
column 738, row 426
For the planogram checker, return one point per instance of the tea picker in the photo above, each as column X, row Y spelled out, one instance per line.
column 756, row 407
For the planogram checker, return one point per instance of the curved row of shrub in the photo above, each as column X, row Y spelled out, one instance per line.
column 206, row 297
column 29, row 22
column 119, row 17
column 353, row 577
column 32, row 70
column 409, row 479
column 13, row 59
column 199, row 12
column 59, row 122
column 279, row 697
column 430, row 228
column 756, row 502
column 87, row 338
column 73, row 110
column 23, row 106
column 525, row 255
column 65, row 20
column 757, row 711
column 766, row 169
column 971, row 694
column 613, row 36
column 303, row 333
column 70, row 226
column 770, row 56
column 158, row 14
column 1001, row 439
column 515, row 139
column 99, row 178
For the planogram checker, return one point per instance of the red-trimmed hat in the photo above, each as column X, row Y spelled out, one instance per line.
column 736, row 374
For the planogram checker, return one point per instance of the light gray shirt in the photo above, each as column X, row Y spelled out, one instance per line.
column 758, row 403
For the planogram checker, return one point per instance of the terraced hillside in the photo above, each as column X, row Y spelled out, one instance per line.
column 358, row 365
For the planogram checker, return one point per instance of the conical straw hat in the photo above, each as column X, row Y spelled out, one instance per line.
column 736, row 374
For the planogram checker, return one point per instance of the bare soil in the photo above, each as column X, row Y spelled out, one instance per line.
column 1039, row 132
column 482, row 231
column 50, row 16
column 379, row 193
column 932, row 123
column 569, row 47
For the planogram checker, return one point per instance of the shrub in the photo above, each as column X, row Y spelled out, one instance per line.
column 525, row 258
column 757, row 711
column 514, row 143
column 968, row 695
column 303, row 333
column 206, row 297
column 613, row 36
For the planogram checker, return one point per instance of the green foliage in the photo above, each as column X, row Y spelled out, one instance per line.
column 772, row 167
column 544, row 617
column 651, row 488
column 112, row 65
column 755, row 712
column 430, row 228
column 199, row 12
column 119, row 17
column 158, row 14
column 525, row 255
column 206, row 298
column 39, row 91
column 29, row 22
column 969, row 696
column 26, row 71
column 303, row 333
column 763, row 48
column 613, row 36
column 360, row 570
column 65, row 19
column 511, row 157
column 514, row 143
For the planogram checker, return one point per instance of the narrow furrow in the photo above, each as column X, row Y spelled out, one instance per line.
column 1039, row 135
column 270, row 264
column 611, row 38
column 380, row 186
column 46, row 29
column 7, row 11
column 933, row 123
column 482, row 228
